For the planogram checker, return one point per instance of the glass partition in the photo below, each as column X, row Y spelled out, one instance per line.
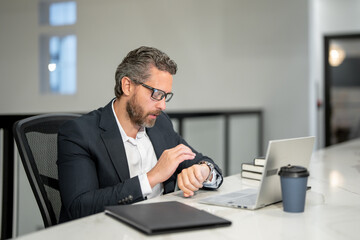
column 229, row 138
column 206, row 135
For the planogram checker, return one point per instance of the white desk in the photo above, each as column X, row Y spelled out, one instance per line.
column 332, row 209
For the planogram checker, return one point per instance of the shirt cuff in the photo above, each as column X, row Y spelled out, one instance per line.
column 145, row 185
column 215, row 181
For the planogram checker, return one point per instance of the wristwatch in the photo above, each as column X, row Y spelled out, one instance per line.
column 211, row 166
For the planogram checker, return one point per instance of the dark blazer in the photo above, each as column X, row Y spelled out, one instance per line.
column 92, row 164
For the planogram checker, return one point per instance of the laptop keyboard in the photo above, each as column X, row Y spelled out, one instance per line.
column 243, row 198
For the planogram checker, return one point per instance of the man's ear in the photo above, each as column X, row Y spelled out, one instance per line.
column 126, row 86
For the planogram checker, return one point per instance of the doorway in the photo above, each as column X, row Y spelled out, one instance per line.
column 342, row 88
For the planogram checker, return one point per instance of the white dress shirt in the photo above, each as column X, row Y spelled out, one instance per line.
column 141, row 159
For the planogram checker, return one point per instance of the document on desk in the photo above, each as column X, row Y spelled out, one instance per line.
column 164, row 217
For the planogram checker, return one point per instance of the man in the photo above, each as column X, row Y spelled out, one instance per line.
column 128, row 151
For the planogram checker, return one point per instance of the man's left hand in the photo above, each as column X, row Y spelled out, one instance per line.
column 192, row 178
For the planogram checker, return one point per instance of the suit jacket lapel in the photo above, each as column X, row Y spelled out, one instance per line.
column 113, row 142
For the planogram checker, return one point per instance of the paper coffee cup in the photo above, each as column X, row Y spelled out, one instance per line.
column 293, row 187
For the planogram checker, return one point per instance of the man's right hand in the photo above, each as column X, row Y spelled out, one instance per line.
column 168, row 162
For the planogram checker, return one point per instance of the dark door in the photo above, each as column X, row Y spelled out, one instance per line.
column 342, row 88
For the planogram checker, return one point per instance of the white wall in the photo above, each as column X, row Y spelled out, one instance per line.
column 231, row 54
column 328, row 17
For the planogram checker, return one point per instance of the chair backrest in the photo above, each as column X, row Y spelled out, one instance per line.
column 36, row 139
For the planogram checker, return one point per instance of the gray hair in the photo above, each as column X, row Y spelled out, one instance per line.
column 137, row 63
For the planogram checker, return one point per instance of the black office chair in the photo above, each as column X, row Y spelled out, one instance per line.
column 36, row 139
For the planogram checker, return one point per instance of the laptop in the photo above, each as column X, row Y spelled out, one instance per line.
column 294, row 151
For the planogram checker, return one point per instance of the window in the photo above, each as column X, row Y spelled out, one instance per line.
column 62, row 66
column 55, row 13
column 62, row 13
column 58, row 47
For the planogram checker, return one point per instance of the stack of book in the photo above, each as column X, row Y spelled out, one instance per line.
column 253, row 170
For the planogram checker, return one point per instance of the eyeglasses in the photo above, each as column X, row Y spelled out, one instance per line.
column 156, row 94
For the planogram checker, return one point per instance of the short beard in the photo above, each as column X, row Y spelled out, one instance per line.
column 137, row 115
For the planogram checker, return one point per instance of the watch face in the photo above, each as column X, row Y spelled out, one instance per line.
column 211, row 166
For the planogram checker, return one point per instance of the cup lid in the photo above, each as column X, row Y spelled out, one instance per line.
column 293, row 171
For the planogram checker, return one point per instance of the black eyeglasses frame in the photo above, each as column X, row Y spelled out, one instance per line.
column 165, row 95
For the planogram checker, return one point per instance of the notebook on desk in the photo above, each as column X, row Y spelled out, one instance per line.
column 164, row 217
column 294, row 151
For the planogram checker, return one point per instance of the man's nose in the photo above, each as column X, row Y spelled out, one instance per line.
column 161, row 104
